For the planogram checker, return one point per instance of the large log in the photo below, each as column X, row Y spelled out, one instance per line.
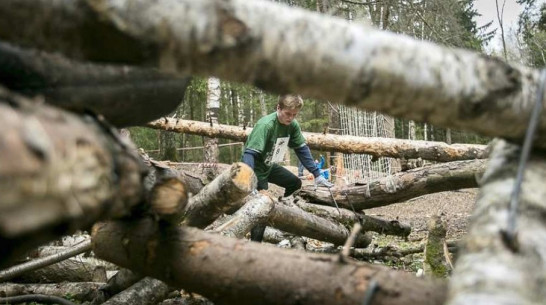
column 108, row 90
column 72, row 28
column 348, row 218
column 225, row 192
column 335, row 60
column 59, row 173
column 294, row 220
column 255, row 211
column 488, row 269
column 365, row 67
column 232, row 271
column 377, row 147
column 401, row 186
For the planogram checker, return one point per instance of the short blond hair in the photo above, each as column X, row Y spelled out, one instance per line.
column 290, row 101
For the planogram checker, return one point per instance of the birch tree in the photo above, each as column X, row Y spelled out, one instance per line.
column 213, row 107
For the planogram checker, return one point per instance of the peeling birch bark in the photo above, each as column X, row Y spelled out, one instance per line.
column 60, row 173
column 401, row 186
column 144, row 292
column 486, row 271
column 109, row 90
column 122, row 280
column 227, row 270
column 298, row 222
column 255, row 211
column 377, row 147
column 275, row 236
column 225, row 192
column 334, row 60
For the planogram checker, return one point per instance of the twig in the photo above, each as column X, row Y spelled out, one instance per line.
column 44, row 261
column 350, row 241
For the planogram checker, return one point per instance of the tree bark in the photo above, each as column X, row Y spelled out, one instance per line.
column 435, row 263
column 59, row 173
column 489, row 270
column 144, row 292
column 378, row 147
column 81, row 87
column 44, row 261
column 225, row 192
column 240, row 272
column 256, row 210
column 70, row 27
column 366, row 68
column 187, row 299
column 122, row 280
column 210, row 149
column 401, row 186
column 82, row 292
column 296, row 221
column 348, row 218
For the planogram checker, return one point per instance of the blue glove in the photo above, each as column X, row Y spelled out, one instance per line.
column 321, row 181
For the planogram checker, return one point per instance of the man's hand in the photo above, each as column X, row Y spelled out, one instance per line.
column 321, row 181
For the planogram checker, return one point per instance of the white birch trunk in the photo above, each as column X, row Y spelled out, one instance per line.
column 210, row 150
column 379, row 147
column 487, row 271
column 335, row 60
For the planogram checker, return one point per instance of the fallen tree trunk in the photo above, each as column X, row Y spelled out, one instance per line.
column 299, row 222
column 494, row 98
column 390, row 251
column 225, row 192
column 72, row 28
column 144, row 292
column 80, row 87
column 377, row 147
column 490, row 269
column 367, row 68
column 348, row 218
column 255, row 211
column 401, row 186
column 59, row 173
column 240, row 272
column 82, row 292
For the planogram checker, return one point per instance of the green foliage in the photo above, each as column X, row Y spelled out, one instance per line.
column 532, row 29
column 144, row 137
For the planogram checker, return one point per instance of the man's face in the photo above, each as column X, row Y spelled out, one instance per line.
column 286, row 115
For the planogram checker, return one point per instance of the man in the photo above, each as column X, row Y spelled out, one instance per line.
column 267, row 144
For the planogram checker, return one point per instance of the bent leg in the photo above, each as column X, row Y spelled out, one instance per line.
column 284, row 178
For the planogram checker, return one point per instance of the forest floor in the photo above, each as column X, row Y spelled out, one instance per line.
column 455, row 208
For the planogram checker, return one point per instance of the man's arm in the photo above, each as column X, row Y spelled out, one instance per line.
column 249, row 157
column 304, row 154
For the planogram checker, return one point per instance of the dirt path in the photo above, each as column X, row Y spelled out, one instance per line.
column 454, row 206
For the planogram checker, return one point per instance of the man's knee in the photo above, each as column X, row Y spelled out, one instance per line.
column 293, row 185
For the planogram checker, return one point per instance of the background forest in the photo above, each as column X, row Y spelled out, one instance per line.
column 448, row 22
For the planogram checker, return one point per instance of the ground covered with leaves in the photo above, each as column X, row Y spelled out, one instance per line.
column 455, row 208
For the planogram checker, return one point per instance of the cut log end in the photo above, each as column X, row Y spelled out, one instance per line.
column 169, row 197
column 243, row 177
